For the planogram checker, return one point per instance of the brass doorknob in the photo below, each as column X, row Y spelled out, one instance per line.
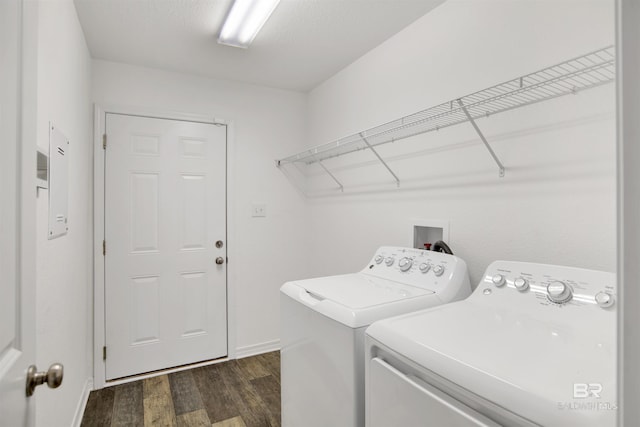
column 219, row 260
column 53, row 377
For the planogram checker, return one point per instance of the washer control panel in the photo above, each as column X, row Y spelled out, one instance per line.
column 548, row 285
column 417, row 267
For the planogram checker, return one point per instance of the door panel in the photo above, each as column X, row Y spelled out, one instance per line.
column 17, row 317
column 165, row 207
column 395, row 399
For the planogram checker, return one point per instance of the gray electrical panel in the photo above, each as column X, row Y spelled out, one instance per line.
column 58, row 182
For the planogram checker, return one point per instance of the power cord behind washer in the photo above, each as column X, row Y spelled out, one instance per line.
column 441, row 246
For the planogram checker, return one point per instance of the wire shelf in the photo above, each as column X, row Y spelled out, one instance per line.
column 570, row 77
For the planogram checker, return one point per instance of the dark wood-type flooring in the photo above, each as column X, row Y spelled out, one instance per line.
column 237, row 393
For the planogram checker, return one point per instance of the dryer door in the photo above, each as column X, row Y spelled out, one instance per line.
column 396, row 399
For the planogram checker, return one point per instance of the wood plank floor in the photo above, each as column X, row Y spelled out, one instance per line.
column 237, row 393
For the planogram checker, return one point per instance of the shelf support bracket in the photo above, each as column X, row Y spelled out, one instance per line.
column 484, row 140
column 330, row 174
column 380, row 158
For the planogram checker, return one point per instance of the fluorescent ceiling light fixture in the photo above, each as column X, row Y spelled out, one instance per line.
column 245, row 19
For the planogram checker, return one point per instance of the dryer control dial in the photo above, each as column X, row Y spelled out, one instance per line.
column 498, row 280
column 604, row 299
column 424, row 267
column 438, row 270
column 405, row 263
column 389, row 261
column 379, row 259
column 559, row 292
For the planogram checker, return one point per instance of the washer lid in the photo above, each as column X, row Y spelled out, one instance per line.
column 358, row 299
column 358, row 291
column 547, row 371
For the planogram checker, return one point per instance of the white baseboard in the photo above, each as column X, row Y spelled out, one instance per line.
column 82, row 404
column 252, row 350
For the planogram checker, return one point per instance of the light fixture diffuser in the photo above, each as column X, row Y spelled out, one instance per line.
column 244, row 21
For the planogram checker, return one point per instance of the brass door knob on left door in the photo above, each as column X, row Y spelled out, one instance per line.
column 53, row 377
column 219, row 260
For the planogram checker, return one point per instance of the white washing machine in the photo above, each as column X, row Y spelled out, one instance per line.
column 323, row 322
column 534, row 345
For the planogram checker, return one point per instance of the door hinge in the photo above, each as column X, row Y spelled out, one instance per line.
column 104, row 141
column 104, row 352
column 104, row 248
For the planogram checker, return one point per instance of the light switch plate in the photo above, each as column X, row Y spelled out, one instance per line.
column 259, row 210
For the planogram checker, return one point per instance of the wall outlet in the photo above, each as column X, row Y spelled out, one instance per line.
column 259, row 210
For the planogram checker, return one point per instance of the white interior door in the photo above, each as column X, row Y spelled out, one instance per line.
column 17, row 318
column 165, row 209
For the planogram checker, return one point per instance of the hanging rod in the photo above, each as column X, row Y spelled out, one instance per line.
column 594, row 69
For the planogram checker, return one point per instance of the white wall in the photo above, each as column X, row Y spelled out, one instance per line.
column 64, row 320
column 268, row 123
column 556, row 203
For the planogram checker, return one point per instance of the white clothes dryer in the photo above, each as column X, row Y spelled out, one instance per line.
column 323, row 322
column 534, row 345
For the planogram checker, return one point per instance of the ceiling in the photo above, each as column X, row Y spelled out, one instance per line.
column 304, row 42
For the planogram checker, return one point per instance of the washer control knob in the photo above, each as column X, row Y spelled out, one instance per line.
column 521, row 284
column 559, row 292
column 604, row 299
column 424, row 267
column 405, row 263
column 438, row 270
column 379, row 259
column 498, row 280
column 389, row 261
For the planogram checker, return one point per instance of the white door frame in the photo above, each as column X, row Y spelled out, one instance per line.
column 98, row 231
column 23, row 352
column 628, row 224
